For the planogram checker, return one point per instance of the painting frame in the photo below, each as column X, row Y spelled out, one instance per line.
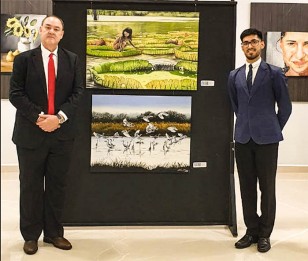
column 140, row 134
column 19, row 33
column 151, row 56
column 289, row 51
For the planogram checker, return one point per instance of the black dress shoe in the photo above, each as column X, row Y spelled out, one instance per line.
column 264, row 244
column 59, row 242
column 246, row 241
column 30, row 247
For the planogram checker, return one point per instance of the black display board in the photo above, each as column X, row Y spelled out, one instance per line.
column 204, row 196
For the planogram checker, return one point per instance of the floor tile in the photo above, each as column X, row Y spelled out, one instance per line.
column 186, row 243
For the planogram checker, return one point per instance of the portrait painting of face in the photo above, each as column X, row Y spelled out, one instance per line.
column 288, row 50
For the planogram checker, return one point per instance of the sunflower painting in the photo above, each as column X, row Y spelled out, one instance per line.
column 19, row 33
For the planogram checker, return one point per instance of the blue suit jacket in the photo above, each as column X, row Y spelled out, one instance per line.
column 256, row 114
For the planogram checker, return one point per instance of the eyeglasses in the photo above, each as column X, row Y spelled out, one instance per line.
column 253, row 43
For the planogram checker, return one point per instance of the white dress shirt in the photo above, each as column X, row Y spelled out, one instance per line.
column 255, row 67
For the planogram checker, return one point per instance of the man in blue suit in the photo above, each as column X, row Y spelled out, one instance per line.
column 260, row 100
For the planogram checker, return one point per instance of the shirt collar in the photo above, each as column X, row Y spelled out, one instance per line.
column 46, row 52
column 255, row 64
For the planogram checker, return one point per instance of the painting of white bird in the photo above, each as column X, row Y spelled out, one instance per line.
column 147, row 118
column 140, row 135
column 172, row 129
column 162, row 115
column 126, row 123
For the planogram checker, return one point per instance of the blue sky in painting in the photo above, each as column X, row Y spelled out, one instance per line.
column 132, row 104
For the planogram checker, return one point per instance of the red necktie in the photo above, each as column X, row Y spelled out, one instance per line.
column 51, row 85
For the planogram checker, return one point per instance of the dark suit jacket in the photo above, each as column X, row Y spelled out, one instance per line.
column 256, row 116
column 28, row 93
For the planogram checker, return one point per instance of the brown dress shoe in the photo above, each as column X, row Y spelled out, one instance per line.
column 30, row 247
column 59, row 242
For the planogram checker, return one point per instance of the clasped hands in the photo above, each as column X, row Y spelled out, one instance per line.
column 47, row 122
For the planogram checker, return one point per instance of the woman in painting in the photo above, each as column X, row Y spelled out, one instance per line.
column 126, row 38
column 294, row 46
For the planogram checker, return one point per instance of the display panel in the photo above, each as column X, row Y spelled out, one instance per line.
column 199, row 197
column 140, row 133
column 153, row 50
column 288, row 50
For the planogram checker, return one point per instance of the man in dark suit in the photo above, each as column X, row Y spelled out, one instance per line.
column 255, row 89
column 46, row 86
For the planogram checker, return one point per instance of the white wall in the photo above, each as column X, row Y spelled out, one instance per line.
column 8, row 150
column 293, row 150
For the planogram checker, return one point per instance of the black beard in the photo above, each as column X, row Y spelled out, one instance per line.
column 251, row 57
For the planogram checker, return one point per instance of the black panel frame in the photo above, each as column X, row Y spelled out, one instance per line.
column 205, row 196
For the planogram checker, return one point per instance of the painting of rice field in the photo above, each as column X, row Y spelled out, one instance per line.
column 148, row 134
column 142, row 49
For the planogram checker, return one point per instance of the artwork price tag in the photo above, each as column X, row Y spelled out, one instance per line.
column 207, row 83
column 202, row 164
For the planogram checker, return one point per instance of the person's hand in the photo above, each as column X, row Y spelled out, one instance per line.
column 48, row 123
column 40, row 118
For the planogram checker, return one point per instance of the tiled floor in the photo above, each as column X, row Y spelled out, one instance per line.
column 289, row 239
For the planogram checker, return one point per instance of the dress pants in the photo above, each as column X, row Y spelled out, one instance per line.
column 42, row 187
column 255, row 163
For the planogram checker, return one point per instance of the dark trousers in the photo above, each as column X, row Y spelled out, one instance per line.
column 257, row 163
column 42, row 187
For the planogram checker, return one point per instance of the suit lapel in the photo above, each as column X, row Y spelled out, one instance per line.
column 242, row 78
column 259, row 77
column 61, row 65
column 39, row 66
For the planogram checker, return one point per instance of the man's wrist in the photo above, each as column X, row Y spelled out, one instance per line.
column 60, row 118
